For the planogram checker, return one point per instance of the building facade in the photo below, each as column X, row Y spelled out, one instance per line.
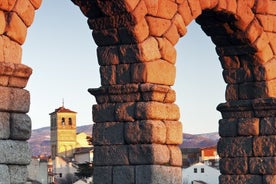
column 63, row 132
column 200, row 172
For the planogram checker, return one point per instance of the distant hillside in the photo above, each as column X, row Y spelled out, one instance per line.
column 40, row 140
column 199, row 140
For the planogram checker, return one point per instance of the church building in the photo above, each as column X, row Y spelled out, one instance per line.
column 63, row 132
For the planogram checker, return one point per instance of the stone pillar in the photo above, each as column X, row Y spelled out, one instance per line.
column 136, row 134
column 247, row 145
column 15, row 124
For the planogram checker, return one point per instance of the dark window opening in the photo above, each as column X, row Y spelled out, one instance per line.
column 62, row 121
column 195, row 170
column 70, row 121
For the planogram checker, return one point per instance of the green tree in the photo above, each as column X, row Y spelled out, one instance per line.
column 84, row 170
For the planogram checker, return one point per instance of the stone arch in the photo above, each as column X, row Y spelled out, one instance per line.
column 137, row 131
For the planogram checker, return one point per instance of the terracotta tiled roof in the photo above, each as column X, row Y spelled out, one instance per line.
column 62, row 109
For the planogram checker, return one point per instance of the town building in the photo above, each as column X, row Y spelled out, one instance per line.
column 63, row 132
column 200, row 173
column 37, row 170
column 68, row 149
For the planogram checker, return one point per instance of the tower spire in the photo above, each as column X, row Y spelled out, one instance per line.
column 62, row 102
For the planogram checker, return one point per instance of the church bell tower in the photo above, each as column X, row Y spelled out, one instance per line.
column 63, row 132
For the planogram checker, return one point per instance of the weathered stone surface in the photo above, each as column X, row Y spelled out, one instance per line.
column 236, row 166
column 129, row 53
column 25, row 10
column 18, row 174
column 14, row 152
column 262, row 165
column 229, row 62
column 108, row 133
column 123, row 174
column 265, row 55
column 10, row 51
column 111, row 155
column 4, row 125
column 7, row 5
column 174, row 132
column 185, row 11
column 14, row 75
column 36, row 3
column 158, row 26
column 104, row 113
column 13, row 99
column 152, row 7
column 156, row 110
column 148, row 50
column 156, row 174
column 110, row 22
column 145, row 132
column 125, row 111
column 175, row 156
column 266, row 71
column 102, row 175
column 235, row 147
column 180, row 25
column 228, row 127
column 149, row 72
column 269, row 179
column 3, row 22
column 20, row 126
column 149, row 154
column 108, row 55
column 4, row 174
column 268, row 126
column 240, row 179
column 16, row 29
column 167, row 50
column 131, row 4
column 166, row 9
column 172, row 34
column 264, row 146
column 123, row 74
column 248, row 126
column 256, row 90
column 232, row 92
column 108, row 75
column 106, row 37
column 237, row 76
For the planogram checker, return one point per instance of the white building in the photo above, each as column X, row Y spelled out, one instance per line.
column 37, row 170
column 200, row 173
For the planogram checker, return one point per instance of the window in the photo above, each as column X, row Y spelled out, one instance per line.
column 70, row 121
column 62, row 121
column 195, row 170
column 202, row 170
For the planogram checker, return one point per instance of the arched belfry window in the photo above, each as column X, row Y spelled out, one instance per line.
column 70, row 121
column 62, row 121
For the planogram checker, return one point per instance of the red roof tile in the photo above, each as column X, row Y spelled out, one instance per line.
column 62, row 109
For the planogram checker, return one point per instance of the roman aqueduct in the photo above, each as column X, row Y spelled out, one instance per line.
column 137, row 130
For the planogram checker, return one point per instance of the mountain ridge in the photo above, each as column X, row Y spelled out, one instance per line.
column 40, row 139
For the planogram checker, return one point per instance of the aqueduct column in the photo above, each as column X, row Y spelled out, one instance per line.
column 136, row 132
column 15, row 124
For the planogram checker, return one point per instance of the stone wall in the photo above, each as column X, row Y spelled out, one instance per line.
column 15, row 125
column 137, row 130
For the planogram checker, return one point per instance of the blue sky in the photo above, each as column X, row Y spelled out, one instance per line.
column 60, row 49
